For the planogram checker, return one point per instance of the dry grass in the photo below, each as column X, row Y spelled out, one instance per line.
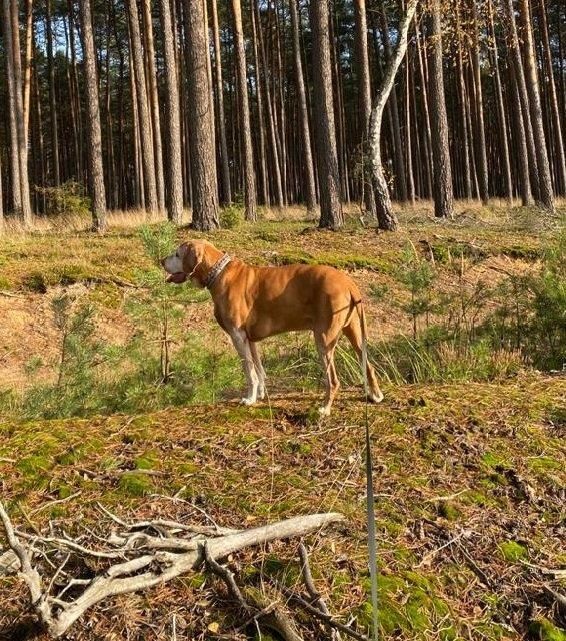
column 495, row 449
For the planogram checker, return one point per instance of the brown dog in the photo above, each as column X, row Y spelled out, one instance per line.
column 252, row 303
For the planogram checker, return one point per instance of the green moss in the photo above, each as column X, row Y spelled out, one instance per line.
column 492, row 460
column 544, row 630
column 148, row 461
column 513, row 551
column 135, row 484
column 544, row 463
column 449, row 511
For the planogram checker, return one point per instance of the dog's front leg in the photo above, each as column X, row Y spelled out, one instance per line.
column 242, row 345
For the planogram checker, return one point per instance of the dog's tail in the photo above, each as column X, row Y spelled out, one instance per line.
column 358, row 304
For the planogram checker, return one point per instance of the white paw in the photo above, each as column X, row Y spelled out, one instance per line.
column 376, row 398
column 261, row 393
column 248, row 400
column 324, row 410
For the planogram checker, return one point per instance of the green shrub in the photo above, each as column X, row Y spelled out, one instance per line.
column 231, row 216
column 68, row 199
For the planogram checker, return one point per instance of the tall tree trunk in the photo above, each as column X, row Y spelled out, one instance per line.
column 242, row 81
column 519, row 73
column 148, row 159
column 52, row 98
column 480, row 125
column 386, row 216
column 221, row 120
column 14, row 162
column 443, row 191
column 559, row 155
column 273, row 143
column 425, row 102
column 94, row 136
column 508, row 180
column 21, row 132
column 364, row 84
column 399, row 156
column 174, row 174
column 331, row 214
column 260, row 109
column 151, row 77
column 546, row 193
column 203, row 157
column 463, row 107
column 27, row 64
column 303, row 111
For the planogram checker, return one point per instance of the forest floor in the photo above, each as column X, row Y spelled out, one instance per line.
column 470, row 477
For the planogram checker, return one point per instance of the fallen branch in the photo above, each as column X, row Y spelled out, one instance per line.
column 147, row 561
column 271, row 616
column 314, row 594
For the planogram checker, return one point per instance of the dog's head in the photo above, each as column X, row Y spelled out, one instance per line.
column 191, row 260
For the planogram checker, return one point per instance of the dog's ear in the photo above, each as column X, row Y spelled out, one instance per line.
column 192, row 256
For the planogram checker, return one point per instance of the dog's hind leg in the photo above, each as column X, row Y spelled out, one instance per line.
column 243, row 347
column 258, row 368
column 326, row 346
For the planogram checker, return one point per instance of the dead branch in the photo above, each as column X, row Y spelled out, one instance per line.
column 270, row 615
column 146, row 562
column 326, row 618
column 314, row 594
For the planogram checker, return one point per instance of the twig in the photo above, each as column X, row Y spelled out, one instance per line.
column 311, row 589
column 559, row 598
column 449, row 497
column 327, row 618
column 228, row 578
column 56, row 502
column 271, row 616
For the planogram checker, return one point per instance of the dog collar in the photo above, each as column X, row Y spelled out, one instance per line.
column 216, row 270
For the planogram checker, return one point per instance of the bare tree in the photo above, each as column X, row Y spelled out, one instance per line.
column 174, row 175
column 201, row 118
column 221, row 119
column 546, row 192
column 147, row 155
column 443, row 190
column 331, row 215
column 303, row 111
column 385, row 214
column 94, row 137
column 242, row 81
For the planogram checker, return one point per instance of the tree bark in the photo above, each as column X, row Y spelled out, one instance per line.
column 148, row 158
column 386, row 217
column 21, row 130
column 52, row 99
column 244, row 108
column 364, row 83
column 508, row 179
column 331, row 215
column 151, row 77
column 174, row 175
column 519, row 73
column 560, row 154
column 546, row 193
column 221, row 120
column 443, row 190
column 480, row 125
column 310, row 187
column 201, row 147
column 94, row 137
column 398, row 155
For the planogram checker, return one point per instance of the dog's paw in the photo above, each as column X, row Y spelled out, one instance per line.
column 247, row 401
column 324, row 411
column 261, row 393
column 376, row 398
